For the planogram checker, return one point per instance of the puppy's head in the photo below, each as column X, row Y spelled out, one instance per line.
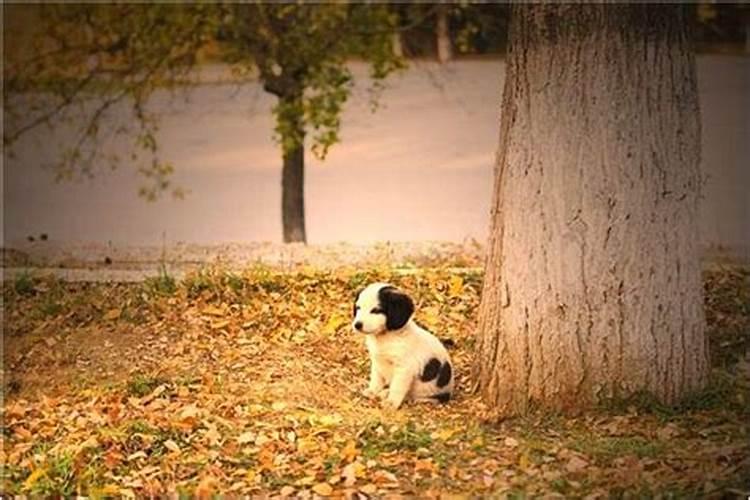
column 380, row 308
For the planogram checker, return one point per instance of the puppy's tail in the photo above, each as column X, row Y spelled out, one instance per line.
column 448, row 342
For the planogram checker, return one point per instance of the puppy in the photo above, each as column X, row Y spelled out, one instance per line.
column 404, row 358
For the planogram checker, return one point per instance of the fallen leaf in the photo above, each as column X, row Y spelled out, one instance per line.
column 349, row 452
column 112, row 314
column 189, row 411
column 137, row 455
column 171, row 446
column 212, row 310
column 511, row 442
column 287, row 491
column 206, row 487
column 323, row 489
column 246, row 437
column 369, row 489
column 33, row 478
column 576, row 464
column 456, row 286
column 219, row 324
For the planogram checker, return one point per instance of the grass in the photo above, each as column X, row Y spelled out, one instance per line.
column 722, row 391
column 606, row 448
column 161, row 284
column 375, row 439
column 55, row 478
column 141, row 385
column 24, row 283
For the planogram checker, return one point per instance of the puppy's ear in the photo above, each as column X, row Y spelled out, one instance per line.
column 398, row 307
column 356, row 298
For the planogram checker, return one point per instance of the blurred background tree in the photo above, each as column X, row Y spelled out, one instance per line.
column 86, row 59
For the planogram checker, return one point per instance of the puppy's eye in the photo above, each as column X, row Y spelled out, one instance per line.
column 376, row 310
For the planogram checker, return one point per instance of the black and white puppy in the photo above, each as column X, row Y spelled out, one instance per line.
column 404, row 358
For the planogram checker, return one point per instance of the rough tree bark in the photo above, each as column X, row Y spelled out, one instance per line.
column 592, row 287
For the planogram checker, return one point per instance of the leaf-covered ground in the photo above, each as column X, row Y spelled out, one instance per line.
column 249, row 383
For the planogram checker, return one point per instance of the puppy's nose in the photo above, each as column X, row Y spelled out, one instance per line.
column 358, row 325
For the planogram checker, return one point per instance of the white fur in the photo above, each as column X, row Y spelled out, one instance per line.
column 397, row 357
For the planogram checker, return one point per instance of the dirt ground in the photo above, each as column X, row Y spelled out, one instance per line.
column 248, row 382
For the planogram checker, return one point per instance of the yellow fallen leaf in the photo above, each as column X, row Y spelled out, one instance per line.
column 350, row 452
column 323, row 489
column 329, row 420
column 369, row 489
column 189, row 411
column 212, row 310
column 352, row 472
column 213, row 435
column 456, row 286
column 219, row 324
column 171, row 446
column 246, row 437
column 33, row 478
column 306, row 444
column 112, row 314
column 443, row 435
column 334, row 323
column 110, row 490
column 523, row 461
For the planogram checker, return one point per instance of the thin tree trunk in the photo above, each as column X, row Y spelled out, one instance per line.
column 396, row 43
column 592, row 287
column 293, row 181
column 444, row 49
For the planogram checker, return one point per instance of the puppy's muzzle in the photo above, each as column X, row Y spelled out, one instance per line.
column 358, row 326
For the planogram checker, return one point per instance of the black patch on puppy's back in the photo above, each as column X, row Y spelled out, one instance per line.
column 431, row 370
column 397, row 306
column 445, row 375
column 443, row 397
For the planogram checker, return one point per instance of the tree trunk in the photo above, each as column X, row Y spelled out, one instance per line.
column 444, row 49
column 398, row 46
column 592, row 287
column 293, row 178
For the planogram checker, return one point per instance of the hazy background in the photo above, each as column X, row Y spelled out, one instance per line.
column 418, row 169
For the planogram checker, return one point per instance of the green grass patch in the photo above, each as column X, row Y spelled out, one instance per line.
column 161, row 284
column 142, row 385
column 605, row 448
column 57, row 478
column 24, row 283
column 375, row 439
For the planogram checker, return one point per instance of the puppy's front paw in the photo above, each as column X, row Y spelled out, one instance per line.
column 391, row 404
column 369, row 393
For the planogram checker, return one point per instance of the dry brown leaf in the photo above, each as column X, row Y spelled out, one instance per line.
column 287, row 491
column 576, row 464
column 112, row 314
